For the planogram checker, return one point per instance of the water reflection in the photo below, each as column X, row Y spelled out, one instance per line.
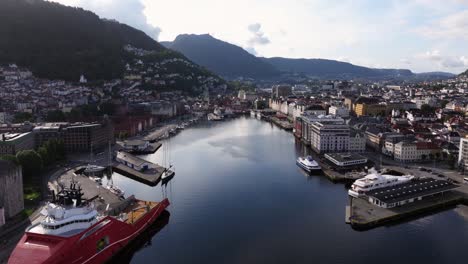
column 239, row 197
column 142, row 241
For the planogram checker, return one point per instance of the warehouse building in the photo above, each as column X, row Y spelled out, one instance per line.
column 410, row 192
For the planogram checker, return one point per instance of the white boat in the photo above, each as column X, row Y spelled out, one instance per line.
column 94, row 168
column 116, row 190
column 465, row 180
column 167, row 176
column 215, row 117
column 308, row 164
column 253, row 113
column 375, row 180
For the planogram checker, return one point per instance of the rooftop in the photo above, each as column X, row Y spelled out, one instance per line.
column 343, row 157
column 411, row 190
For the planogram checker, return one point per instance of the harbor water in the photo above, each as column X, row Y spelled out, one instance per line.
column 238, row 197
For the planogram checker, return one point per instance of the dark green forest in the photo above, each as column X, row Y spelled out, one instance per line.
column 60, row 42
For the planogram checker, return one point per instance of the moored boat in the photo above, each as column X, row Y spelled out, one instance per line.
column 375, row 180
column 308, row 164
column 72, row 231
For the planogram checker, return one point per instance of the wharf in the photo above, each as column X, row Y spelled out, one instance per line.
column 91, row 190
column 153, row 147
column 364, row 215
column 149, row 177
column 160, row 133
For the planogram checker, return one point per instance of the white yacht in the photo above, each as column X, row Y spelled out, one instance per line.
column 308, row 164
column 375, row 180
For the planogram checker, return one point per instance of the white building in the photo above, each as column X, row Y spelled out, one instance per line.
column 405, row 152
column 463, row 153
column 346, row 159
column 339, row 111
column 415, row 151
column 329, row 137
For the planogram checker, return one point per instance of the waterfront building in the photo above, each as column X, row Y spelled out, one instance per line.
column 136, row 145
column 338, row 111
column 463, row 153
column 410, row 151
column 12, row 143
column 132, row 161
column 329, row 136
column 308, row 120
column 11, row 189
column 79, row 137
column 357, row 141
column 409, row 192
column 346, row 159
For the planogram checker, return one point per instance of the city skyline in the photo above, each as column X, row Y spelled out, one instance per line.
column 421, row 35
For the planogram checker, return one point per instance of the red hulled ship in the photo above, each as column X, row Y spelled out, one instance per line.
column 72, row 231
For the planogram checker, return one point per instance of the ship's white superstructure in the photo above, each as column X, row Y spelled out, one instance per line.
column 375, row 180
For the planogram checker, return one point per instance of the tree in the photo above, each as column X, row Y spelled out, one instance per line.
column 11, row 158
column 425, row 108
column 423, row 156
column 23, row 117
column 437, row 155
column 431, row 156
column 46, row 159
column 31, row 163
column 55, row 116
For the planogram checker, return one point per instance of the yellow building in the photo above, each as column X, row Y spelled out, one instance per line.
column 369, row 107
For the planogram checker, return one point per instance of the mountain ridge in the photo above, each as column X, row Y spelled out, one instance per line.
column 314, row 67
column 221, row 57
column 61, row 42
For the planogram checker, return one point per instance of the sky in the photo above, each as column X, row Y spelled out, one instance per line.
column 421, row 35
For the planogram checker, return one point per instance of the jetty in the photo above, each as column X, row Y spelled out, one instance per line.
column 361, row 214
column 138, row 169
column 160, row 133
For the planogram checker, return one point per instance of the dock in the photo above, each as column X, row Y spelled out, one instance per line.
column 159, row 133
column 149, row 177
column 364, row 215
column 153, row 147
column 91, row 190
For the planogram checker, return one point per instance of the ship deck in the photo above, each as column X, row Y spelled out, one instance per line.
column 139, row 209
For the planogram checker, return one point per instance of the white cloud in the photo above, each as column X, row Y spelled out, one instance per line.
column 447, row 62
column 129, row 12
column 454, row 26
column 258, row 37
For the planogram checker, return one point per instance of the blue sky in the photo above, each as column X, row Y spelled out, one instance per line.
column 421, row 35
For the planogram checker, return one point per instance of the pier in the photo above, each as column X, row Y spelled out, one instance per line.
column 91, row 190
column 160, row 133
column 149, row 177
column 363, row 215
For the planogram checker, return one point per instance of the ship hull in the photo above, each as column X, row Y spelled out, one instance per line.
column 97, row 244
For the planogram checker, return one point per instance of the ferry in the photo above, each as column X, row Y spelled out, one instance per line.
column 375, row 180
column 72, row 231
column 308, row 164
